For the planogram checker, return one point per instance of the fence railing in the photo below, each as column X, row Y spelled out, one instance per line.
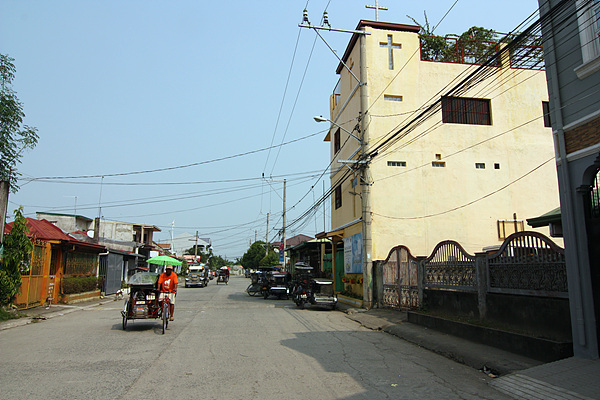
column 477, row 52
column 527, row 263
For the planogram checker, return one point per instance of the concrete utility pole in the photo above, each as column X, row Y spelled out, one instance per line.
column 365, row 181
column 363, row 162
column 4, row 190
column 284, row 222
column 267, row 238
column 196, row 248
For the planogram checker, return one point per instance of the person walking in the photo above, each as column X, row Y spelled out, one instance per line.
column 167, row 285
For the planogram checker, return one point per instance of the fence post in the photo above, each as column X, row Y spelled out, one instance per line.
column 482, row 283
column 421, row 279
column 377, row 283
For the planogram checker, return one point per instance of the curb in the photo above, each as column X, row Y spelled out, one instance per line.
column 48, row 314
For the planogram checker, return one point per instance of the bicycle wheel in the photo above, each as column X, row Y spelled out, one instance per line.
column 165, row 315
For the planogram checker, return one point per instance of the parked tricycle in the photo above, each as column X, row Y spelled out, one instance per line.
column 144, row 300
column 277, row 284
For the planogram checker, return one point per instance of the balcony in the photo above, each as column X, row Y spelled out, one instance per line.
column 475, row 52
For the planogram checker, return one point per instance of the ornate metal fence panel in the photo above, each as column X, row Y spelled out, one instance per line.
column 400, row 279
column 391, row 290
column 528, row 263
column 450, row 267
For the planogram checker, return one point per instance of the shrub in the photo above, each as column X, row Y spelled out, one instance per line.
column 80, row 284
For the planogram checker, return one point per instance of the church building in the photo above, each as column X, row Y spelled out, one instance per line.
column 429, row 146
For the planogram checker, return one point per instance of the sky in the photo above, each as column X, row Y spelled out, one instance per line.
column 189, row 114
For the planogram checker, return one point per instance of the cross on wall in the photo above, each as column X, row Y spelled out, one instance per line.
column 390, row 46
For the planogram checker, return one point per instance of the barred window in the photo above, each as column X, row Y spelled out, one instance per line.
column 336, row 141
column 546, row 111
column 459, row 110
column 338, row 197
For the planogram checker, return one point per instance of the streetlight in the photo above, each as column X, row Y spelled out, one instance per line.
column 321, row 118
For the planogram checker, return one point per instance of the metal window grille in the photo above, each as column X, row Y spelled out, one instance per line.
column 546, row 111
column 459, row 110
column 336, row 141
column 595, row 196
column 338, row 197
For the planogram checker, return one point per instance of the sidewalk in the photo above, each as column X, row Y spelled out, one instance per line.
column 517, row 376
column 41, row 313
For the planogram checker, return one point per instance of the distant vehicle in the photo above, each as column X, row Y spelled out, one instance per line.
column 197, row 276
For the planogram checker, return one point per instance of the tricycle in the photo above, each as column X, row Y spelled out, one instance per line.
column 144, row 300
column 277, row 285
column 301, row 283
column 259, row 281
column 223, row 275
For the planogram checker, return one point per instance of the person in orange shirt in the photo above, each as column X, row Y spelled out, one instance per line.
column 167, row 285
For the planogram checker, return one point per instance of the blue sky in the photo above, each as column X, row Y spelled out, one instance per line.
column 200, row 90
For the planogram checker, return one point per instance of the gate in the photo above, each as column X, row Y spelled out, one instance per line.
column 450, row 267
column 33, row 287
column 111, row 271
column 400, row 279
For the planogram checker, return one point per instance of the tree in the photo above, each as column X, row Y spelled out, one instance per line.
column 251, row 258
column 270, row 260
column 14, row 137
column 15, row 260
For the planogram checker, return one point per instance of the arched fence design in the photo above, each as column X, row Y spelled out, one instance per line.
column 527, row 263
column 450, row 267
column 400, row 279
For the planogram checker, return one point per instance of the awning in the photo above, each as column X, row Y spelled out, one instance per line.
column 551, row 217
column 339, row 233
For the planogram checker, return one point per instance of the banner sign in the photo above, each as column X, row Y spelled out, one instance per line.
column 353, row 257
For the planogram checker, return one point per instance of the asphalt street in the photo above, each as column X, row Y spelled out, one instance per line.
column 225, row 344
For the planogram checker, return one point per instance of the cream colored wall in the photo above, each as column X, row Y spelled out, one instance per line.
column 413, row 205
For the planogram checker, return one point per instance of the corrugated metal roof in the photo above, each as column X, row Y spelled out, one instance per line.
column 44, row 230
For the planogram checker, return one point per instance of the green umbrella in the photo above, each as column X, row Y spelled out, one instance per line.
column 163, row 260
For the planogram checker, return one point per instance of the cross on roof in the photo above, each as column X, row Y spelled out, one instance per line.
column 377, row 7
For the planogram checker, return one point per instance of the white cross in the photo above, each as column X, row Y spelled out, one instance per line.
column 377, row 8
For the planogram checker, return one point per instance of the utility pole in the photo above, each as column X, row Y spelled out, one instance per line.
column 365, row 181
column 267, row 239
column 4, row 190
column 362, row 164
column 196, row 248
column 284, row 223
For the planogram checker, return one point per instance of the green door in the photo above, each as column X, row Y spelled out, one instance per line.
column 339, row 270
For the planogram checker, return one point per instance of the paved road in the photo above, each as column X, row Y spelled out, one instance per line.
column 224, row 344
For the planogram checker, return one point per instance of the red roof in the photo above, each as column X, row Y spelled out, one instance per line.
column 44, row 230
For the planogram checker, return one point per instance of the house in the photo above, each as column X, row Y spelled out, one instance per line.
column 571, row 40
column 55, row 255
column 127, row 245
column 426, row 149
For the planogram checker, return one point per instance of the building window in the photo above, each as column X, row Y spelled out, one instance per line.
column 588, row 15
column 497, row 166
column 460, row 110
column 438, row 164
column 480, row 165
column 390, row 97
column 507, row 227
column 396, row 163
column 336, row 141
column 546, row 112
column 338, row 197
